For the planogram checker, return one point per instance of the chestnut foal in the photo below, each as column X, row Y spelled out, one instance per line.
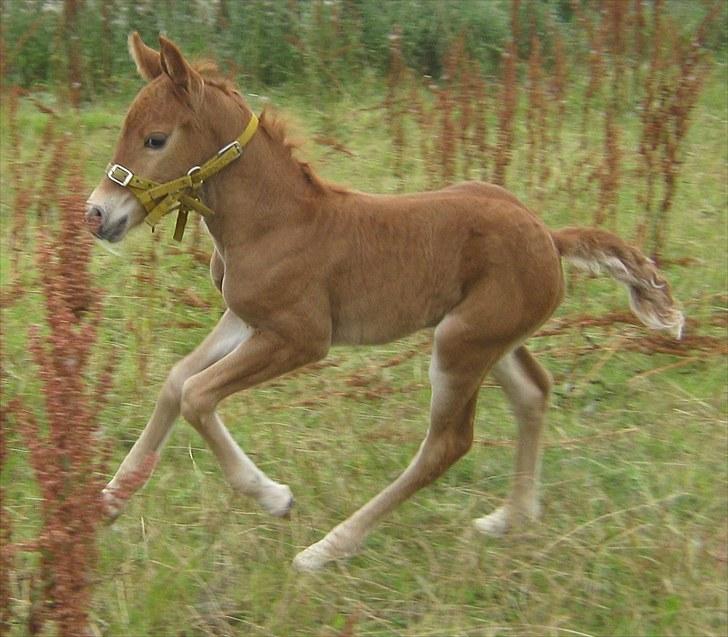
column 303, row 265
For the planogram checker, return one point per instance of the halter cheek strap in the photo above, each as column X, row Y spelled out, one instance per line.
column 182, row 194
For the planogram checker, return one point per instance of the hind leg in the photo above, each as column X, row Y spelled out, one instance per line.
column 459, row 362
column 527, row 386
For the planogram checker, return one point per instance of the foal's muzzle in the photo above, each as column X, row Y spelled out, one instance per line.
column 97, row 219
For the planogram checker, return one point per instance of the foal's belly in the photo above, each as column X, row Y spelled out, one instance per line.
column 372, row 332
column 389, row 313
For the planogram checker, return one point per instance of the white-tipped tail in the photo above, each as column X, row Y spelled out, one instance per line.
column 649, row 293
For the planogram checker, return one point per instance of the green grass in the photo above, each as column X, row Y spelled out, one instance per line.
column 633, row 540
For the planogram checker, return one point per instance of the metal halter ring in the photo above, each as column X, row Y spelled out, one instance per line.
column 192, row 172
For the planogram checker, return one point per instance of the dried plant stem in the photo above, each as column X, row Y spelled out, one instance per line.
column 506, row 115
column 394, row 104
column 6, row 549
column 71, row 30
column 536, row 120
column 447, row 139
column 609, row 172
column 480, row 131
column 676, row 75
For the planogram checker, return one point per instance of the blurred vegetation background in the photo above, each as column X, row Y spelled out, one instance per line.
column 273, row 42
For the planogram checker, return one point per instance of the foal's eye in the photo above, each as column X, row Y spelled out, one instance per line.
column 156, row 141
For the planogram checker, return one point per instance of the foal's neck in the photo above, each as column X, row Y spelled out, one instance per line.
column 262, row 191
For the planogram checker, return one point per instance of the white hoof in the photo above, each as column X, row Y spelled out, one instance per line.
column 496, row 524
column 318, row 555
column 312, row 559
column 111, row 503
column 277, row 499
column 507, row 518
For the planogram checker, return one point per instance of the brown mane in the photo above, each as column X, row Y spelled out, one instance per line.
column 212, row 75
column 271, row 121
column 277, row 128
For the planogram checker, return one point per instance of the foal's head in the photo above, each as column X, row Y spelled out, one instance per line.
column 176, row 121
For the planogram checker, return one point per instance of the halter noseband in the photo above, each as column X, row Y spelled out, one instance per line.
column 181, row 194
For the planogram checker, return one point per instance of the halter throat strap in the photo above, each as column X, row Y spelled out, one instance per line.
column 182, row 194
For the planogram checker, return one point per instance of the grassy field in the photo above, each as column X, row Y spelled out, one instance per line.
column 633, row 539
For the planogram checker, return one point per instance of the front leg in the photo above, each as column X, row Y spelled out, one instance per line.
column 139, row 462
column 262, row 357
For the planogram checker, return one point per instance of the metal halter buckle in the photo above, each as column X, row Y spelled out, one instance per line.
column 122, row 180
column 236, row 145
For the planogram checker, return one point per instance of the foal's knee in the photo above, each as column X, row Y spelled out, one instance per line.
column 171, row 391
column 194, row 404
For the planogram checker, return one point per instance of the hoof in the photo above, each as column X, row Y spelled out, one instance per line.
column 111, row 504
column 318, row 555
column 311, row 560
column 278, row 501
column 496, row 524
column 508, row 518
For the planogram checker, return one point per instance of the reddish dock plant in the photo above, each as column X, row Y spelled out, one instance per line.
column 66, row 452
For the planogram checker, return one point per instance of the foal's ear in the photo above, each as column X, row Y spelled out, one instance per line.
column 179, row 70
column 147, row 60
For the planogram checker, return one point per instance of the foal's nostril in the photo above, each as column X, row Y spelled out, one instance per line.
column 94, row 217
column 94, row 211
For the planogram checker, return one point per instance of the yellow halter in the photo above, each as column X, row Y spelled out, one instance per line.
column 181, row 194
